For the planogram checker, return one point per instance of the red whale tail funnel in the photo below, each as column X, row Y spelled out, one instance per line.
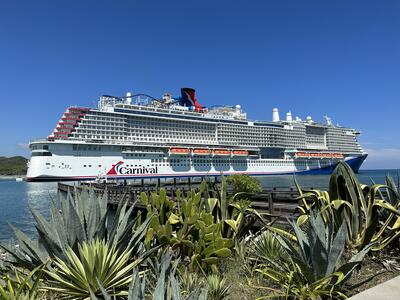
column 189, row 98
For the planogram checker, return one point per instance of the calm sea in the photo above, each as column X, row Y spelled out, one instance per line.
column 17, row 197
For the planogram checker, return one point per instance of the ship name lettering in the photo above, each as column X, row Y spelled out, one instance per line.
column 140, row 170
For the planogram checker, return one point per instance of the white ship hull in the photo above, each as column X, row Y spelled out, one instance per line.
column 117, row 167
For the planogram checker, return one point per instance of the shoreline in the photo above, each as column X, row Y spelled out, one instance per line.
column 4, row 177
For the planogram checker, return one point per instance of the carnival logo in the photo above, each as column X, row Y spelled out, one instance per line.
column 119, row 169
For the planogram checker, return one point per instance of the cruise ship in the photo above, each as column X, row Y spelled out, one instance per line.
column 138, row 136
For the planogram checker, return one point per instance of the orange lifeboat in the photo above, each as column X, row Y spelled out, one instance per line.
column 222, row 152
column 240, row 152
column 201, row 152
column 179, row 151
column 338, row 155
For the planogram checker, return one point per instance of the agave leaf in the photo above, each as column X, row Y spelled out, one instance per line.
column 232, row 224
column 336, row 249
column 136, row 292
column 212, row 203
column 160, row 286
column 317, row 247
column 75, row 228
column 349, row 267
column 48, row 231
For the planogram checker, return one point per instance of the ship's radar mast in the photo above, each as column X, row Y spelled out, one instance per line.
column 328, row 120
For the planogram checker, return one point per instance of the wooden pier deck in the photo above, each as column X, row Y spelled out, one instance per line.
column 277, row 202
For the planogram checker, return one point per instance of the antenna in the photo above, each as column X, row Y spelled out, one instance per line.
column 328, row 120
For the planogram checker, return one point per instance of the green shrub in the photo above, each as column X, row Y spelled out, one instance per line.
column 188, row 226
column 199, row 227
column 243, row 183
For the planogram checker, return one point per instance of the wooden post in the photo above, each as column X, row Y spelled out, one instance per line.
column 270, row 204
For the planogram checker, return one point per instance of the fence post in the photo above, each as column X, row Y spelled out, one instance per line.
column 270, row 203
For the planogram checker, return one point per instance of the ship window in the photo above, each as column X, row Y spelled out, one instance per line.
column 41, row 154
column 84, row 166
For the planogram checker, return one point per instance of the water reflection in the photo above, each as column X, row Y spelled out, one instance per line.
column 17, row 197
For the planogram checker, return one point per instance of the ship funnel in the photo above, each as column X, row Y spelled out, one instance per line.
column 128, row 98
column 289, row 117
column 189, row 98
column 275, row 115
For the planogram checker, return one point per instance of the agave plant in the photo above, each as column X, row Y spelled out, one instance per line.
column 312, row 266
column 161, row 283
column 82, row 217
column 360, row 207
column 265, row 246
column 17, row 284
column 237, row 217
column 97, row 268
column 217, row 287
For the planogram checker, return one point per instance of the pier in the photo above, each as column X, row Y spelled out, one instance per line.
column 278, row 202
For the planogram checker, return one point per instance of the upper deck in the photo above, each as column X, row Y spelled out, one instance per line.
column 141, row 119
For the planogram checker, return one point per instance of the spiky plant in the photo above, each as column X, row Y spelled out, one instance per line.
column 161, row 282
column 97, row 267
column 312, row 267
column 368, row 215
column 237, row 217
column 17, row 284
column 217, row 287
column 78, row 217
column 264, row 246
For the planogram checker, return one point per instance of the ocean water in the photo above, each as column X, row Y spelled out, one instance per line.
column 16, row 198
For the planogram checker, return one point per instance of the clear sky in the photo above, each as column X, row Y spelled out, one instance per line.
column 340, row 58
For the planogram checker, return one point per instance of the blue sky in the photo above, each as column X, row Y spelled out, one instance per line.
column 340, row 58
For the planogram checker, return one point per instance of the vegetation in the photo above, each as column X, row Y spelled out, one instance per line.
column 199, row 245
column 18, row 284
column 15, row 165
column 370, row 217
column 82, row 217
column 311, row 267
column 97, row 268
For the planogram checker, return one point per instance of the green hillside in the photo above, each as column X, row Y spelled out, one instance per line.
column 15, row 165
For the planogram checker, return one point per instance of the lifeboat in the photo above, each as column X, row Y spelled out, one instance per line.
column 240, row 152
column 301, row 154
column 179, row 151
column 201, row 152
column 338, row 155
column 222, row 152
